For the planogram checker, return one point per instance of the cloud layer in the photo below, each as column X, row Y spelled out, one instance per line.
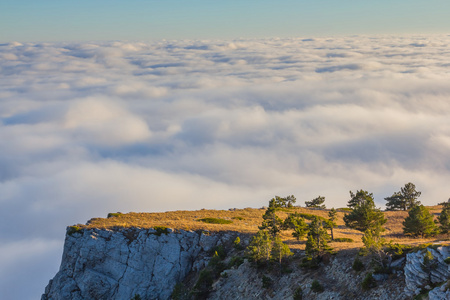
column 88, row 129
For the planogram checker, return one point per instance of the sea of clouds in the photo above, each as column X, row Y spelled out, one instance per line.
column 92, row 128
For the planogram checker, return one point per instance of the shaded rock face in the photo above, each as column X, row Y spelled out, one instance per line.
column 105, row 264
column 418, row 277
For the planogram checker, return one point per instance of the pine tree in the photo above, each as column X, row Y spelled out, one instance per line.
column 365, row 215
column 290, row 200
column 280, row 250
column 332, row 217
column 316, row 203
column 271, row 221
column 374, row 246
column 419, row 222
column 316, row 244
column 444, row 218
column 297, row 224
column 359, row 198
column 260, row 247
column 405, row 199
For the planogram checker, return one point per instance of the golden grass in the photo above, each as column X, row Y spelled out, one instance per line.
column 247, row 220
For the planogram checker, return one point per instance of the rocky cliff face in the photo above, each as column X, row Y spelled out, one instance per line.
column 119, row 264
column 106, row 264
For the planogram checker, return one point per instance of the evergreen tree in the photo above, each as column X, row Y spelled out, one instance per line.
column 419, row 222
column 297, row 224
column 332, row 217
column 316, row 203
column 374, row 246
column 444, row 218
column 290, row 200
column 260, row 247
column 405, row 199
column 359, row 198
column 316, row 244
column 364, row 215
column 271, row 221
column 280, row 250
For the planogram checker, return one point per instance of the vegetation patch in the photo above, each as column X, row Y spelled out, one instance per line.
column 298, row 293
column 316, row 287
column 357, row 265
column 238, row 218
column 112, row 215
column 215, row 221
column 368, row 282
column 71, row 230
column 266, row 282
column 343, row 240
column 160, row 230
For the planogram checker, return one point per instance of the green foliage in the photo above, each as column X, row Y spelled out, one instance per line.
column 310, row 217
column 316, row 203
column 316, row 244
column 204, row 283
column 220, row 252
column 260, row 247
column 419, row 222
column 180, row 292
column 368, row 282
column 238, row 218
column 357, row 265
column 215, row 221
column 280, row 250
column 237, row 244
column 344, row 209
column 161, row 230
column 374, row 246
column 235, row 261
column 136, row 297
column 298, row 224
column 298, row 293
column 444, row 219
column 316, row 287
column 359, row 198
column 343, row 240
column 429, row 264
column 279, row 202
column 271, row 221
column 310, row 263
column 364, row 215
column 447, row 260
column 71, row 230
column 405, row 199
column 266, row 282
column 117, row 214
column 332, row 217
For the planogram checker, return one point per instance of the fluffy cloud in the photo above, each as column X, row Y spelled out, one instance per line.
column 88, row 129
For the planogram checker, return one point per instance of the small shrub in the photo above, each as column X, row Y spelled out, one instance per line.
column 204, row 283
column 310, row 263
column 447, row 260
column 343, row 240
column 160, row 230
column 215, row 221
column 357, row 265
column 235, row 261
column 266, row 282
column 180, row 292
column 238, row 218
column 368, row 282
column 298, row 293
column 220, row 251
column 344, row 209
column 316, row 287
column 136, row 297
column 71, row 230
column 237, row 244
column 111, row 215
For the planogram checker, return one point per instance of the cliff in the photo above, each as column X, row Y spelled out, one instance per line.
column 123, row 263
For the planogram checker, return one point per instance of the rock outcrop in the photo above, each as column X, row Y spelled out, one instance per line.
column 417, row 276
column 119, row 264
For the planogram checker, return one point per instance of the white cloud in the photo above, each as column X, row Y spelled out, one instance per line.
column 88, row 129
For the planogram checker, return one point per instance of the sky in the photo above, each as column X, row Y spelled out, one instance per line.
column 55, row 20
column 110, row 106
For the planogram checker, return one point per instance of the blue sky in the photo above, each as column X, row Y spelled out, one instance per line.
column 50, row 20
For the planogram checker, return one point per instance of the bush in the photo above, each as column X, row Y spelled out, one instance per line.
column 235, row 261
column 357, row 265
column 237, row 244
column 215, row 221
column 266, row 282
column 447, row 260
column 111, row 215
column 180, row 292
column 343, row 240
column 310, row 263
column 316, row 287
column 204, row 283
column 298, row 293
column 368, row 282
column 238, row 218
column 71, row 230
column 160, row 230
column 136, row 297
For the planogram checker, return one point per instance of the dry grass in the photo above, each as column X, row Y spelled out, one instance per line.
column 247, row 221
